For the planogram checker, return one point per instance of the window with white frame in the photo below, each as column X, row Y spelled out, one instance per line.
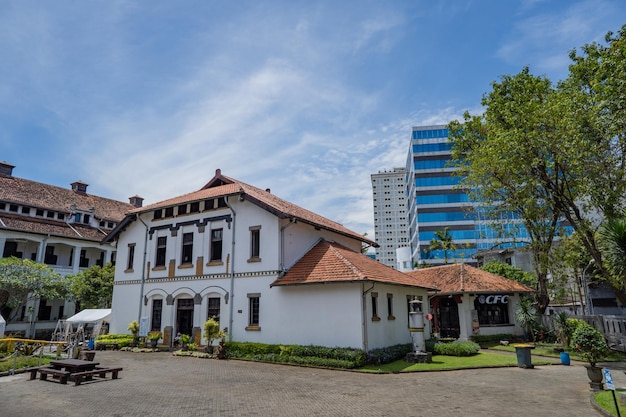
column 216, row 245
column 255, row 244
column 187, row 249
column 160, row 251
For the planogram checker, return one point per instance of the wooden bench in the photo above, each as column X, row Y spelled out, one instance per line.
column 78, row 377
column 107, row 345
column 44, row 371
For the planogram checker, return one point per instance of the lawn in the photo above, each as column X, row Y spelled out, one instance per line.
column 446, row 363
column 605, row 400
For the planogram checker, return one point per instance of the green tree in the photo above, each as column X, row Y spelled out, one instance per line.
column 443, row 240
column 93, row 287
column 506, row 156
column 510, row 272
column 549, row 153
column 23, row 279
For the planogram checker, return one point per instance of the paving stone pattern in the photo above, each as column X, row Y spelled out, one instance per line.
column 159, row 384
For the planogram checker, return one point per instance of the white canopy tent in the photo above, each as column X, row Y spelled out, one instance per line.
column 95, row 316
column 3, row 325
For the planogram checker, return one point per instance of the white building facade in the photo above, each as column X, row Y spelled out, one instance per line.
column 390, row 219
column 243, row 255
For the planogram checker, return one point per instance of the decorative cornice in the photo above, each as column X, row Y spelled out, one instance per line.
column 201, row 277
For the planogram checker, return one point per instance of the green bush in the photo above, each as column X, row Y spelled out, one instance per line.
column 590, row 343
column 346, row 358
column 458, row 348
column 388, row 354
column 123, row 340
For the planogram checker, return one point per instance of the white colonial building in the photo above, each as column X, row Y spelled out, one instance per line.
column 270, row 271
column 60, row 227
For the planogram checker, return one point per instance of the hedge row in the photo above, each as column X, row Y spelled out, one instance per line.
column 346, row 358
column 458, row 348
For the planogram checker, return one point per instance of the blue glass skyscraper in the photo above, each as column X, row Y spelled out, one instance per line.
column 434, row 203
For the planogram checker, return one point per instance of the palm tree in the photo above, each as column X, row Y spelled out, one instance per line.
column 612, row 244
column 443, row 241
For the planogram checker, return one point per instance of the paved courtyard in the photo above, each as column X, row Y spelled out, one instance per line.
column 159, row 384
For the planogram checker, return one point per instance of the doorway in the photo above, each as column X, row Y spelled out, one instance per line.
column 449, row 318
column 184, row 316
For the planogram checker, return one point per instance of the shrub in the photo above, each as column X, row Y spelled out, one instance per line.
column 590, row 342
column 458, row 348
column 388, row 354
column 304, row 355
column 123, row 340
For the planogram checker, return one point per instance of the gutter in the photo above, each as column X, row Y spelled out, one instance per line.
column 232, row 270
column 143, row 267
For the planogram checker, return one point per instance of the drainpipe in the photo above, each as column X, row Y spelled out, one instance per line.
column 282, row 243
column 232, row 272
column 143, row 267
column 364, row 314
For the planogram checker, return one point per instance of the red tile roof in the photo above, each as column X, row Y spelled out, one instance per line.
column 462, row 278
column 329, row 262
column 221, row 185
column 37, row 195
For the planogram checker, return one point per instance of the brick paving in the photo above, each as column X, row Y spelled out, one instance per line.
column 159, row 384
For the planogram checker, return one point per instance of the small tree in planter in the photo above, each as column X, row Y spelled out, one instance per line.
column 133, row 326
column 154, row 337
column 590, row 343
column 211, row 332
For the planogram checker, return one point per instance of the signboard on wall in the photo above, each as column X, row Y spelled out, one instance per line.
column 493, row 299
column 143, row 327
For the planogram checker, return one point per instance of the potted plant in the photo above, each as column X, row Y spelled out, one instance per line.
column 154, row 337
column 184, row 340
column 590, row 343
column 211, row 332
column 220, row 350
column 133, row 326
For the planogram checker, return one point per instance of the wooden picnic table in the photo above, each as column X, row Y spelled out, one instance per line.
column 76, row 370
column 74, row 365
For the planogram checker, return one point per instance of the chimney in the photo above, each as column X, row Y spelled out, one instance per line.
column 6, row 169
column 136, row 200
column 79, row 187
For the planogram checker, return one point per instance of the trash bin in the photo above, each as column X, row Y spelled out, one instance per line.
column 564, row 358
column 90, row 344
column 523, row 356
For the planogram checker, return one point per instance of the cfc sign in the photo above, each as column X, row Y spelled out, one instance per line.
column 493, row 299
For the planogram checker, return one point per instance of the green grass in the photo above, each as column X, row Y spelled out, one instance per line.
column 446, row 363
column 605, row 400
column 22, row 361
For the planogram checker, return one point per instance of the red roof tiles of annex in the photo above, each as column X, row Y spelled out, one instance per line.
column 462, row 278
column 330, row 262
column 221, row 185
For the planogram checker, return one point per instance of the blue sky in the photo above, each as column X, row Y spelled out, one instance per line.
column 307, row 98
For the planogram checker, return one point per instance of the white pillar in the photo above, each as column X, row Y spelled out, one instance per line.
column 76, row 259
